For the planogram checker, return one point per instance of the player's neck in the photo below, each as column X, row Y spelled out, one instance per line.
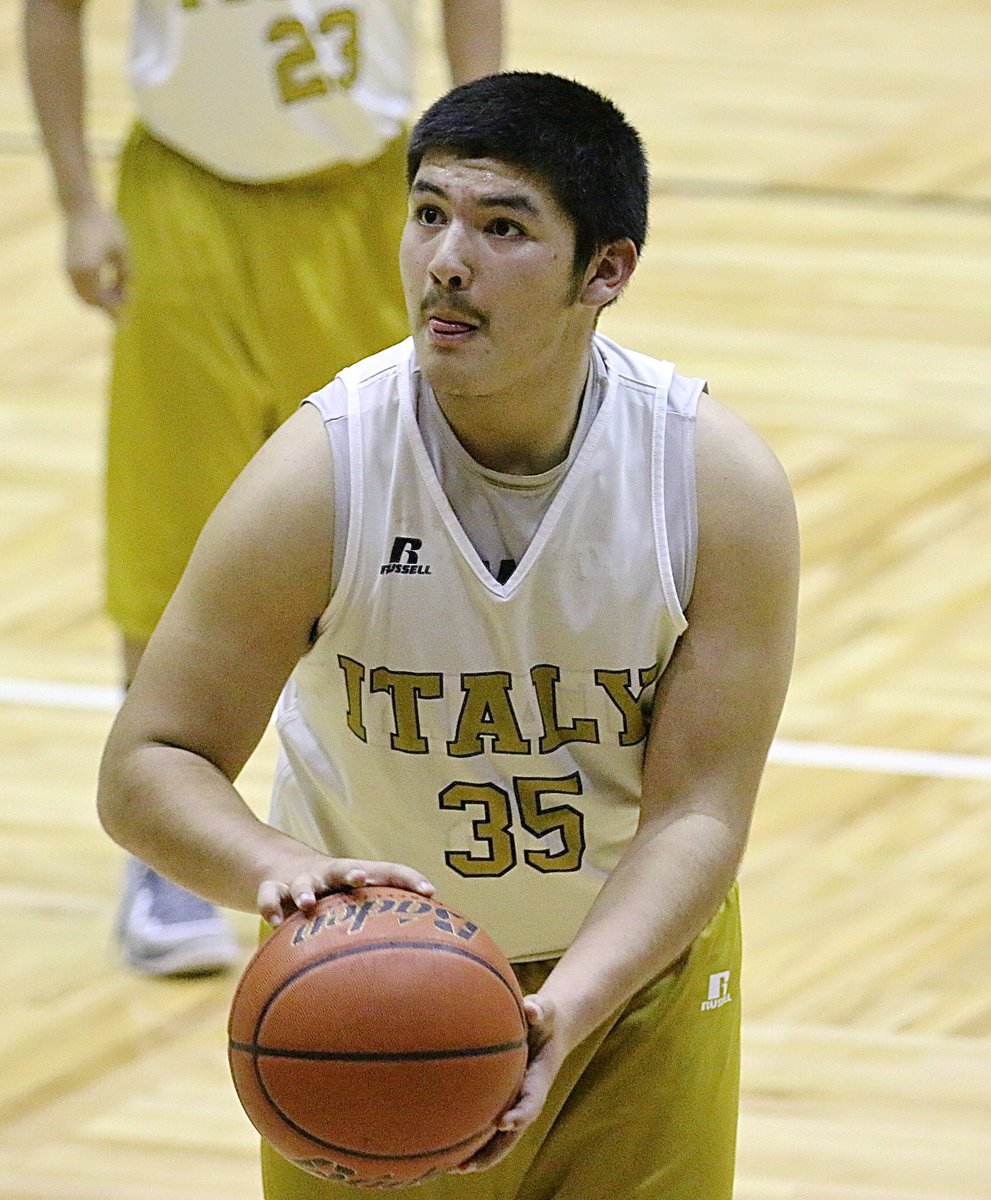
column 521, row 430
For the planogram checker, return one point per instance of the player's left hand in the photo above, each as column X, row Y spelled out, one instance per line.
column 546, row 1056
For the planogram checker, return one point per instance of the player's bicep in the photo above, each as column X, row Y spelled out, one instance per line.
column 718, row 704
column 244, row 611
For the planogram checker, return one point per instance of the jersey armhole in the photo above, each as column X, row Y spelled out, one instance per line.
column 332, row 403
column 680, row 500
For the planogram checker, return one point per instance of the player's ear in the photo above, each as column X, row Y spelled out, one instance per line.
column 608, row 272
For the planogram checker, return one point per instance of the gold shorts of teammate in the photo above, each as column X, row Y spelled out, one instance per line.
column 645, row 1109
column 243, row 299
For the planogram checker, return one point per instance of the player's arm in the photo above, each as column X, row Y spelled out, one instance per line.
column 95, row 247
column 716, row 710
column 473, row 37
column 242, row 616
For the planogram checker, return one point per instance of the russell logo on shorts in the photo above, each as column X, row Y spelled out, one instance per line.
column 719, row 993
column 405, row 558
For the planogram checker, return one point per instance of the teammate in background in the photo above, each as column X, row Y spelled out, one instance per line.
column 529, row 599
column 260, row 201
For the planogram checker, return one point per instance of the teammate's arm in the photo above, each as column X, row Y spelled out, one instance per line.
column 473, row 37
column 241, row 618
column 95, row 247
column 716, row 710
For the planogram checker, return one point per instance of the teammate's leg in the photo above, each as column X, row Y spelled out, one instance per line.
column 243, row 299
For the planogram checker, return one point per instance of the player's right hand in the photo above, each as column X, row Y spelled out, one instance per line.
column 278, row 898
column 96, row 258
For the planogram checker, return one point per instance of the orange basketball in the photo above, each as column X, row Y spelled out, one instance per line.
column 378, row 1041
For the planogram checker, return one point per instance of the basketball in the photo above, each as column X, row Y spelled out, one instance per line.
column 377, row 1041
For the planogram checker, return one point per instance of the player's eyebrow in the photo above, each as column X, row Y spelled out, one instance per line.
column 514, row 201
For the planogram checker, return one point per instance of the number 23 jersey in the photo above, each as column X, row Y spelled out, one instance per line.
column 267, row 90
column 492, row 734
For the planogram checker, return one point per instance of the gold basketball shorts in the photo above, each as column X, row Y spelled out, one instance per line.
column 243, row 299
column 644, row 1109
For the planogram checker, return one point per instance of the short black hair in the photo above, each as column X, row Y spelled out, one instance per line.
column 568, row 136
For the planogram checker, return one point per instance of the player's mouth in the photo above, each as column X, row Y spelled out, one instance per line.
column 451, row 325
column 447, row 327
column 449, row 331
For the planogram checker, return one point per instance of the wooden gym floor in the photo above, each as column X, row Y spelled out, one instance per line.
column 821, row 251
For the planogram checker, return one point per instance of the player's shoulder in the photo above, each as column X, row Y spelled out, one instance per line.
column 292, row 472
column 728, row 444
column 650, row 376
column 631, row 365
column 387, row 363
column 741, row 482
column 377, row 372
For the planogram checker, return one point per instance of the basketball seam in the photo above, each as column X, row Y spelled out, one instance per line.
column 257, row 1051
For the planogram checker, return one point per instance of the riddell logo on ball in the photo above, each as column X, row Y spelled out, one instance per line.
column 326, row 1168
column 353, row 917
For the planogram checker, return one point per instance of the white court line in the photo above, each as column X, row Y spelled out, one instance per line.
column 927, row 764
column 42, row 693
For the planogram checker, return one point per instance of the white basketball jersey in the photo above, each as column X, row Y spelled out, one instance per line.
column 492, row 734
column 262, row 90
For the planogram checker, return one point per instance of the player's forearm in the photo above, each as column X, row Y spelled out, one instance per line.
column 665, row 890
column 473, row 38
column 56, row 75
column 180, row 814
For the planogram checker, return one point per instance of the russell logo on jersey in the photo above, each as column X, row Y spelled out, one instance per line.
column 405, row 558
column 719, row 992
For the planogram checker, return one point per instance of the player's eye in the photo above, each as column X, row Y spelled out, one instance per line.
column 429, row 214
column 503, row 227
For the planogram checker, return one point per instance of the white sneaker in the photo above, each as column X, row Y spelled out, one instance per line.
column 164, row 930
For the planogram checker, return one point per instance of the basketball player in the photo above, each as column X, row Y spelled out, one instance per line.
column 261, row 195
column 529, row 599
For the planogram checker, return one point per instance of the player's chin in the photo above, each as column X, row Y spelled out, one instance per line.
column 453, row 374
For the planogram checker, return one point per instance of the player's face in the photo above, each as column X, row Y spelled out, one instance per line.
column 487, row 263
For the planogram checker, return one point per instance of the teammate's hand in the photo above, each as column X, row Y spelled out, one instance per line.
column 546, row 1056
column 96, row 257
column 322, row 875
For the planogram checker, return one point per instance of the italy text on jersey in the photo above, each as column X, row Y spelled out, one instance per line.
column 491, row 712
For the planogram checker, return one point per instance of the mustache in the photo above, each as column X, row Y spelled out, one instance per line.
column 452, row 305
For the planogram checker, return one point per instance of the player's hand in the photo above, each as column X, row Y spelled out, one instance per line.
column 546, row 1055
column 96, row 257
column 322, row 875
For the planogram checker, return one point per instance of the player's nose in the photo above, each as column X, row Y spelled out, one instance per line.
column 451, row 263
